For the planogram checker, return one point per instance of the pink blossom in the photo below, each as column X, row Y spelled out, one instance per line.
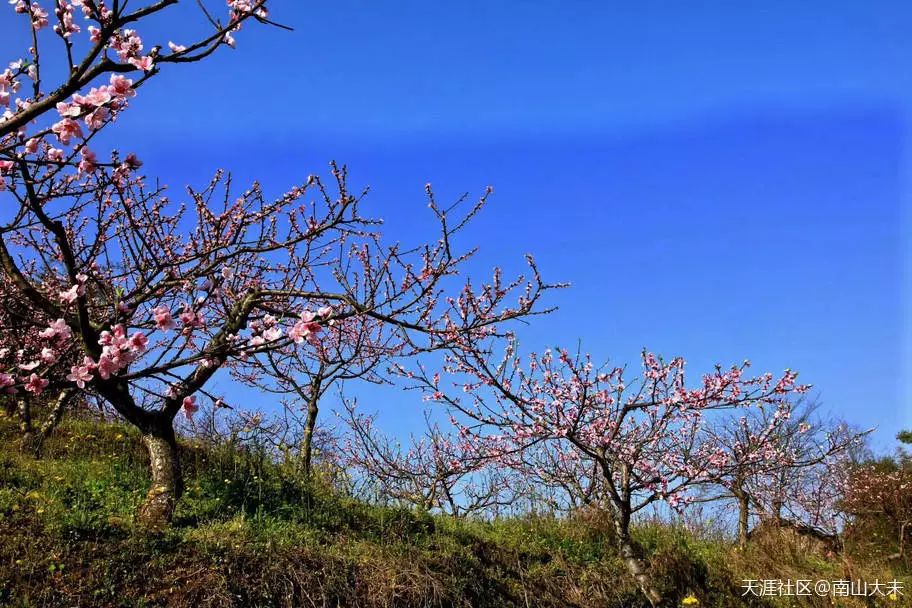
column 163, row 318
column 106, row 366
column 132, row 162
column 138, row 342
column 190, row 406
column 68, row 110
column 116, row 338
column 39, row 16
column 142, row 63
column 66, row 130
column 70, row 295
column 67, row 27
column 80, row 374
column 97, row 118
column 304, row 328
column 48, row 355
column 36, row 384
column 127, row 44
column 87, row 164
column 96, row 97
column 122, row 86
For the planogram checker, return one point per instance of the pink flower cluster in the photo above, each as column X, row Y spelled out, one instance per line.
column 8, row 85
column 6, row 168
column 308, row 326
column 265, row 330
column 67, row 27
column 69, row 296
column 92, row 9
column 128, row 46
column 118, row 351
column 98, row 106
column 58, row 330
column 240, row 8
column 35, row 384
column 39, row 15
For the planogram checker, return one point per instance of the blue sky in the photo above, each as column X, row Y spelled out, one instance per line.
column 718, row 180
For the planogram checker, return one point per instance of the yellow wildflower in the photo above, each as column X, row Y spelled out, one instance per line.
column 690, row 600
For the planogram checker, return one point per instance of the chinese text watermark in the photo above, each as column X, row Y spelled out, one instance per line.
column 835, row 588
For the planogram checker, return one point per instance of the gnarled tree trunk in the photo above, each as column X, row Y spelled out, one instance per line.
column 632, row 556
column 157, row 510
column 158, row 437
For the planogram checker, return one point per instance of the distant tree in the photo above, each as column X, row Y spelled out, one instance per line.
column 646, row 433
column 878, row 497
column 435, row 472
column 303, row 374
column 785, row 466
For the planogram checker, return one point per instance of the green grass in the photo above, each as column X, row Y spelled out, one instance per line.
column 249, row 533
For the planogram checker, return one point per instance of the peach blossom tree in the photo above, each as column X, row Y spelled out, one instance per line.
column 435, row 471
column 785, row 468
column 139, row 299
column 645, row 433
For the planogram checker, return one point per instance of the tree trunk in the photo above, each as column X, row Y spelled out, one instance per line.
column 157, row 510
column 313, row 409
column 307, row 441
column 632, row 557
column 26, row 430
column 743, row 519
column 53, row 420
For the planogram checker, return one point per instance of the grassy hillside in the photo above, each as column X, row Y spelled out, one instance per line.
column 248, row 533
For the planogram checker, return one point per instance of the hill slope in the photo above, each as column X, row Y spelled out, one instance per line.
column 247, row 533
